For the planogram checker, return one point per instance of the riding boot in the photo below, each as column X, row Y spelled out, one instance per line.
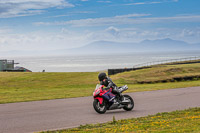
column 121, row 97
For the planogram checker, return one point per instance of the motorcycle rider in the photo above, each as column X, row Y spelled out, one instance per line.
column 108, row 83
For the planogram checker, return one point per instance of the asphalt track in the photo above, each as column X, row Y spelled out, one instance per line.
column 66, row 113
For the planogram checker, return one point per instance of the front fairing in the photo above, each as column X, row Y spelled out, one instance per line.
column 97, row 90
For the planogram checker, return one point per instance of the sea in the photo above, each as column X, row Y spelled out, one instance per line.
column 96, row 63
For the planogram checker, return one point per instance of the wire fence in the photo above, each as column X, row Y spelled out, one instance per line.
column 147, row 64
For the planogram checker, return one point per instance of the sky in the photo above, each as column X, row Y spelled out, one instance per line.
column 62, row 24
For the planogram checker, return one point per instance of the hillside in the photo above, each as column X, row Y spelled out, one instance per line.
column 160, row 73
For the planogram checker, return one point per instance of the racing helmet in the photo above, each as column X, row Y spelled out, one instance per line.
column 102, row 76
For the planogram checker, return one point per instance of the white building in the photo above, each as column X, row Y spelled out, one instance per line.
column 6, row 65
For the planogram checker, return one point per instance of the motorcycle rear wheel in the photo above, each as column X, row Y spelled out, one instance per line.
column 99, row 108
column 129, row 106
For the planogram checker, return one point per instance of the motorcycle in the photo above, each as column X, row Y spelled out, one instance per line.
column 105, row 100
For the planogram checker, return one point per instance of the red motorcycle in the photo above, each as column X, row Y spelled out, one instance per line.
column 105, row 100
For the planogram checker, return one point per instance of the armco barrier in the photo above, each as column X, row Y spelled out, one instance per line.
column 188, row 60
column 115, row 71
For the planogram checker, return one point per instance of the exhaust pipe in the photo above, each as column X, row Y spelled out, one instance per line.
column 116, row 106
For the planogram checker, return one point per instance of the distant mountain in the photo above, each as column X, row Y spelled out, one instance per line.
column 104, row 47
column 158, row 45
column 165, row 45
column 163, row 41
column 108, row 47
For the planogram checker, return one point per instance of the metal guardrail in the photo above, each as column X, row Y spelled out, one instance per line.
column 166, row 61
column 149, row 64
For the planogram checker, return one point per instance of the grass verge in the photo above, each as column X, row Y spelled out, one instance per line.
column 177, row 121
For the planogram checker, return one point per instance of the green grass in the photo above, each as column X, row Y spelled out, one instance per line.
column 161, row 86
column 177, row 121
column 20, row 87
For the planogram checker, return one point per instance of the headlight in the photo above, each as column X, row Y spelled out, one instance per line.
column 96, row 93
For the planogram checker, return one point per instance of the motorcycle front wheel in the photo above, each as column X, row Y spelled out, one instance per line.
column 129, row 106
column 99, row 108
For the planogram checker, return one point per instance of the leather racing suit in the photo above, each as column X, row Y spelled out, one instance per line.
column 108, row 83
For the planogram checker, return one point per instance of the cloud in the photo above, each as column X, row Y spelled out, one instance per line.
column 152, row 2
column 72, row 13
column 66, row 38
column 128, row 19
column 132, row 15
column 116, row 20
column 190, row 33
column 104, row 1
column 42, row 40
column 112, row 30
column 4, row 30
column 16, row 8
column 142, row 3
column 130, row 35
